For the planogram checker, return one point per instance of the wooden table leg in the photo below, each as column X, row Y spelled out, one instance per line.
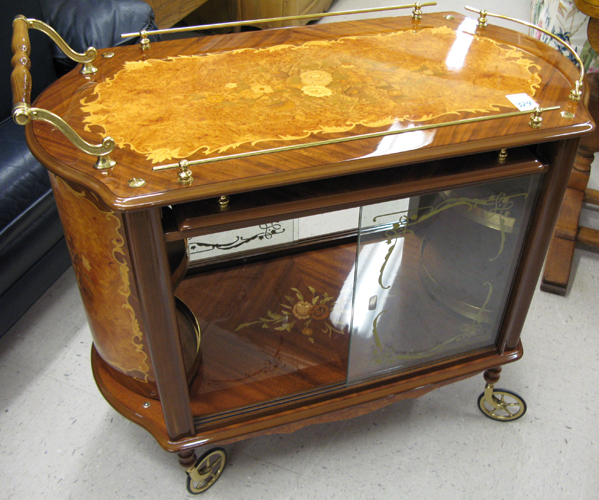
column 567, row 231
column 152, row 277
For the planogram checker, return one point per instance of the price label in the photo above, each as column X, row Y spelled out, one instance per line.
column 523, row 102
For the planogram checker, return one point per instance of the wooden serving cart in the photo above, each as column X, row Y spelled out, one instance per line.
column 369, row 205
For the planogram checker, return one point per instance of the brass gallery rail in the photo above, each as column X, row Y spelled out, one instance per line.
column 184, row 164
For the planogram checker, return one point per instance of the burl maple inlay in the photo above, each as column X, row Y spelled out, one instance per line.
column 217, row 102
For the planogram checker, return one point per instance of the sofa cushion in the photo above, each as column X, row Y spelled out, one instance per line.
column 22, row 178
column 95, row 24
column 27, row 239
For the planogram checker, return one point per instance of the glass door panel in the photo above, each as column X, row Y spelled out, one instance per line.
column 355, row 294
column 433, row 274
column 274, row 326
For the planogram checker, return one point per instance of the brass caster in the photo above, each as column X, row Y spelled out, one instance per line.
column 501, row 405
column 206, row 471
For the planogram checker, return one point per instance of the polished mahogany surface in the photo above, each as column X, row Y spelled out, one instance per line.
column 276, row 348
column 200, row 98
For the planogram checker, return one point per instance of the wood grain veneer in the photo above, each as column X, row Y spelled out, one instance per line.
column 556, row 73
column 252, row 381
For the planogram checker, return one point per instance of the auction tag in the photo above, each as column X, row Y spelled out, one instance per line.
column 522, row 101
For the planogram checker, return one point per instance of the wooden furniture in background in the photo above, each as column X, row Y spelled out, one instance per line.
column 170, row 12
column 568, row 232
column 265, row 9
column 433, row 285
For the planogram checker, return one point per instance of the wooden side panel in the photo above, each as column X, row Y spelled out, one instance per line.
column 101, row 261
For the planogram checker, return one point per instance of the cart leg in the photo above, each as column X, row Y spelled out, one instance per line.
column 500, row 404
column 203, row 472
column 187, row 459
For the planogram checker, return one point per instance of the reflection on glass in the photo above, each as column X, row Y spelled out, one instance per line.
column 433, row 276
column 419, row 280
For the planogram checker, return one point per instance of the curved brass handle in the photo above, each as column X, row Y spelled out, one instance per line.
column 23, row 24
column 21, row 80
column 576, row 93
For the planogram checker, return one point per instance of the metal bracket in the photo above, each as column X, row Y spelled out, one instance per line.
column 576, row 92
column 417, row 12
column 86, row 59
column 23, row 114
column 184, row 173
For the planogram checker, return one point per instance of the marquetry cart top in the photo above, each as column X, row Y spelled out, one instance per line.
column 184, row 101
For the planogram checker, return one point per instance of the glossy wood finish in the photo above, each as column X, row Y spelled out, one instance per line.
column 295, row 382
column 153, row 279
column 20, row 79
column 266, row 205
column 340, row 405
column 102, row 262
column 535, row 247
column 555, row 72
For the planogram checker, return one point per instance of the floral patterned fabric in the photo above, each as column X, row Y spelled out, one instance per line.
column 563, row 19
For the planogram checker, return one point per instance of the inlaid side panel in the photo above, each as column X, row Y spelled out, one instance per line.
column 100, row 256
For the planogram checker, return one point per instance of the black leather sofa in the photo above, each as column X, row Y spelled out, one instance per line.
column 33, row 252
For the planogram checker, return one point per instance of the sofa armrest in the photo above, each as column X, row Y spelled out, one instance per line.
column 84, row 24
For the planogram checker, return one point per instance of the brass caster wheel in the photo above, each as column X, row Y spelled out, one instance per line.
column 501, row 405
column 206, row 471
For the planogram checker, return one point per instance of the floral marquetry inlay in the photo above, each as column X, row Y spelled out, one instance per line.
column 213, row 102
column 309, row 315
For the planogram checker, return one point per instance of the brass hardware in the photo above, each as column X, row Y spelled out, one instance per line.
column 108, row 55
column 147, row 405
column 449, row 17
column 567, row 114
column 482, row 19
column 87, row 58
column 145, row 41
column 22, row 114
column 536, row 120
column 502, row 156
column 500, row 404
column 206, row 471
column 188, row 313
column 184, row 174
column 576, row 93
column 137, row 182
column 417, row 12
column 223, row 202
column 328, row 142
column 103, row 162
column 235, row 24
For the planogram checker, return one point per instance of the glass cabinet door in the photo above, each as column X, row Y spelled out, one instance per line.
column 433, row 274
column 356, row 294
